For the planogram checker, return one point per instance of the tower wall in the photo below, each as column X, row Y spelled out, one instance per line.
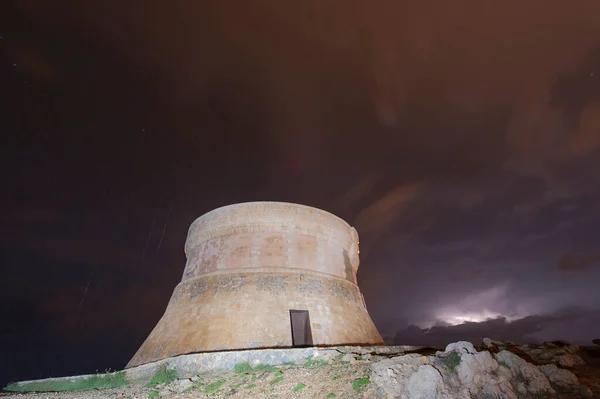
column 247, row 266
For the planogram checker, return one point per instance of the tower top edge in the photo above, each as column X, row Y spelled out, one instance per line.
column 271, row 213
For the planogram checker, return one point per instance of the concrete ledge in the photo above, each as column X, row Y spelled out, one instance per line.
column 187, row 366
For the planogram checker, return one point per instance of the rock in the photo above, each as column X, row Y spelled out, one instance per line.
column 564, row 380
column 461, row 346
column 586, row 392
column 554, row 352
column 596, row 341
column 491, row 344
column 462, row 372
column 178, row 386
column 572, row 349
column 560, row 377
column 568, row 360
column 393, row 375
column 425, row 383
column 481, row 374
column 348, row 357
column 526, row 377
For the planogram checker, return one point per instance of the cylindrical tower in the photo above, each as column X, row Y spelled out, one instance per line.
column 264, row 275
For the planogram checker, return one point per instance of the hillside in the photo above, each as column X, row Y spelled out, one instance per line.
column 495, row 370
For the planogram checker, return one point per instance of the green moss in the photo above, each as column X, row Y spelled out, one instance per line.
column 162, row 376
column 276, row 380
column 267, row 368
column 251, row 386
column 330, row 395
column 360, row 382
column 153, row 394
column 242, row 368
column 299, row 387
column 451, row 361
column 289, row 363
column 99, row 381
column 236, row 386
column 213, row 387
column 311, row 362
column 337, row 377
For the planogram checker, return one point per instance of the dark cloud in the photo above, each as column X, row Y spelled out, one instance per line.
column 530, row 329
column 461, row 139
column 573, row 262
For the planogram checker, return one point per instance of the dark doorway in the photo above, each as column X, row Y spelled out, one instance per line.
column 301, row 334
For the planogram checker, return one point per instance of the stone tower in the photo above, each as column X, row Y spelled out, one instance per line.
column 264, row 275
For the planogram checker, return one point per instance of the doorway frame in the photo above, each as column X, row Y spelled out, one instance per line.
column 307, row 339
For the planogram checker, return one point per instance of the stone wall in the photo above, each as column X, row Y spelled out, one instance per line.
column 248, row 266
column 251, row 310
column 267, row 234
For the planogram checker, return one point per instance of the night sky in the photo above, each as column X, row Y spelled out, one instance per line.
column 461, row 139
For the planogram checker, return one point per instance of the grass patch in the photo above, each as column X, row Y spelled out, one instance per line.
column 251, row 386
column 266, row 368
column 276, row 380
column 242, row 368
column 451, row 361
column 153, row 395
column 360, row 382
column 236, row 386
column 213, row 387
column 337, row 377
column 246, row 368
column 311, row 362
column 99, row 381
column 291, row 363
column 162, row 376
column 299, row 387
column 330, row 395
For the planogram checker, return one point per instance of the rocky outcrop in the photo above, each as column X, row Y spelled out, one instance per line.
column 460, row 371
column 596, row 341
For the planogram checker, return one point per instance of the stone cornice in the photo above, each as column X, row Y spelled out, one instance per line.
column 276, row 217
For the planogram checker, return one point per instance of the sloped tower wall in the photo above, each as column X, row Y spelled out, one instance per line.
column 247, row 266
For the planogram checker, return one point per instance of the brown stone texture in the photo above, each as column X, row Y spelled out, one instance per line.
column 247, row 266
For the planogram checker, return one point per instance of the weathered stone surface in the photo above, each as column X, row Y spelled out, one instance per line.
column 554, row 352
column 460, row 346
column 569, row 360
column 247, row 266
column 564, row 380
column 178, row 386
column 491, row 344
column 526, row 378
column 347, row 357
column 447, row 375
column 462, row 372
